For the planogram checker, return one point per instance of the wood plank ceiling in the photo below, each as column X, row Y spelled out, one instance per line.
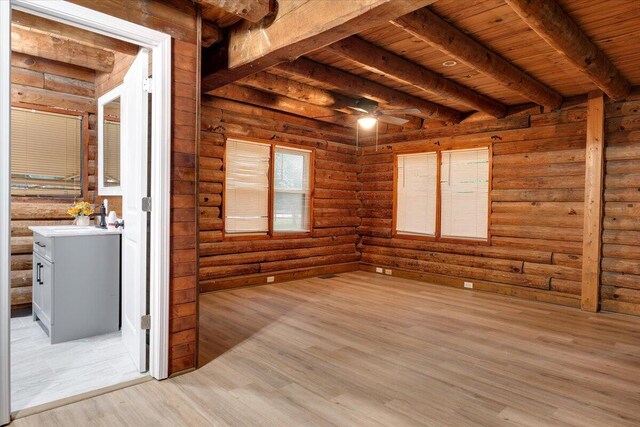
column 611, row 29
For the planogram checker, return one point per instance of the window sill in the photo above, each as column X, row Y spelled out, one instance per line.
column 276, row 236
column 439, row 239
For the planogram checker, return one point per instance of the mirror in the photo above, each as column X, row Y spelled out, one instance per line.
column 109, row 143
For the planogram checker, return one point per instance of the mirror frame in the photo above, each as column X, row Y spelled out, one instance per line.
column 102, row 101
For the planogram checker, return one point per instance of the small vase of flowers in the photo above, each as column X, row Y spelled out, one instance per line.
column 81, row 212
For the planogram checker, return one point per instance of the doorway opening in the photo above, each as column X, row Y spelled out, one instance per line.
column 88, row 303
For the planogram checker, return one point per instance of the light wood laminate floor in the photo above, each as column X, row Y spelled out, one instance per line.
column 365, row 349
column 43, row 373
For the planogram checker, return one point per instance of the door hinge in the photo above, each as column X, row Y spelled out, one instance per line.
column 147, row 85
column 146, row 204
column 145, row 322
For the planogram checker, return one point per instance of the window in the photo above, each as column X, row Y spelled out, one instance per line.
column 416, row 198
column 46, row 154
column 292, row 190
column 267, row 189
column 464, row 184
column 111, row 153
column 462, row 195
column 247, row 187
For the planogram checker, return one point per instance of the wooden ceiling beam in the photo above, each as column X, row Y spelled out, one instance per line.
column 378, row 60
column 46, row 46
column 550, row 22
column 317, row 23
column 249, row 95
column 251, row 10
column 54, row 28
column 355, row 85
column 211, row 34
column 269, row 82
column 303, row 92
column 430, row 28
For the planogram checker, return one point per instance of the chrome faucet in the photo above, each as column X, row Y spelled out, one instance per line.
column 102, row 211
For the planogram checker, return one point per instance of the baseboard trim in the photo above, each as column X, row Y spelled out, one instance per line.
column 483, row 286
column 22, row 413
column 183, row 372
column 279, row 276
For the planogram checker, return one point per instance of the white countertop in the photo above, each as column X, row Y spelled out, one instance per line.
column 72, row 230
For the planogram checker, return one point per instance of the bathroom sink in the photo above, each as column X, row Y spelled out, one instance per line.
column 71, row 230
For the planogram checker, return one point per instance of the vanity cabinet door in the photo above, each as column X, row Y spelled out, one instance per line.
column 36, row 283
column 46, row 277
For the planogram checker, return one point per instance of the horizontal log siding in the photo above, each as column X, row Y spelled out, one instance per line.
column 223, row 264
column 620, row 281
column 537, row 208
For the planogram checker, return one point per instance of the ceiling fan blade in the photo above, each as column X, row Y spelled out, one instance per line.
column 392, row 120
column 410, row 111
column 362, row 110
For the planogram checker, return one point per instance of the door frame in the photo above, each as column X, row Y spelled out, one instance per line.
column 5, row 212
column 160, row 44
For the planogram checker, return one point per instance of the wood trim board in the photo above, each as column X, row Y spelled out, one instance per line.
column 593, row 202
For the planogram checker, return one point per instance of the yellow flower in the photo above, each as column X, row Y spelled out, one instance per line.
column 80, row 208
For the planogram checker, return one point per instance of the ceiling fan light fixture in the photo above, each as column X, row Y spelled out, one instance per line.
column 367, row 122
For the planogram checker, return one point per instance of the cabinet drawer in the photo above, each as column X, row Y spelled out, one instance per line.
column 43, row 246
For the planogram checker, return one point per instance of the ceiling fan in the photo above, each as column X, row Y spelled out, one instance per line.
column 371, row 114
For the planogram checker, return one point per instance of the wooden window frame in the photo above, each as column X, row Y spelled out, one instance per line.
column 438, row 234
column 270, row 235
column 84, row 152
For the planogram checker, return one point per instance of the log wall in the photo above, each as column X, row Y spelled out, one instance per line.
column 620, row 289
column 536, row 209
column 53, row 86
column 225, row 264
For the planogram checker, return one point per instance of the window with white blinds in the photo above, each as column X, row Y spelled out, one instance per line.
column 416, row 193
column 247, row 187
column 292, row 190
column 464, row 188
column 46, row 154
column 111, row 153
column 268, row 189
column 462, row 195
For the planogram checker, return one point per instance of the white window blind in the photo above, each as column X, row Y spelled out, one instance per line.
column 464, row 186
column 46, row 154
column 416, row 194
column 111, row 153
column 292, row 190
column 247, row 187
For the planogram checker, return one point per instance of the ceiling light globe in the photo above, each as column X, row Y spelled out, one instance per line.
column 367, row 122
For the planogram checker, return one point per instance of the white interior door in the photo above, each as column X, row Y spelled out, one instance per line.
column 133, row 160
column 5, row 200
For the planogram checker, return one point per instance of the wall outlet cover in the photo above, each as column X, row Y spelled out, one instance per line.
column 468, row 285
column 271, row 279
column 379, row 270
column 388, row 271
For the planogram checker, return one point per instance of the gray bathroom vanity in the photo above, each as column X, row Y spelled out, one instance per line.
column 76, row 281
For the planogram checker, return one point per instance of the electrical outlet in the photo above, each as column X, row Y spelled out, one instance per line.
column 271, row 279
column 379, row 270
column 468, row 285
column 388, row 271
